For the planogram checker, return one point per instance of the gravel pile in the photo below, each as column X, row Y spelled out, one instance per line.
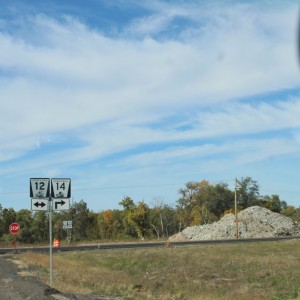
column 253, row 222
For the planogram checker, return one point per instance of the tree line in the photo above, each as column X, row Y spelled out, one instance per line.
column 198, row 203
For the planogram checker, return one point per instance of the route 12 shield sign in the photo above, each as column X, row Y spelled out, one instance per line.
column 61, row 187
column 39, row 187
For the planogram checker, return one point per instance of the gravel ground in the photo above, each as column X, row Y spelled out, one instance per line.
column 17, row 284
column 253, row 222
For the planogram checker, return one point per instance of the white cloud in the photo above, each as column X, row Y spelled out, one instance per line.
column 109, row 94
column 238, row 151
column 249, row 119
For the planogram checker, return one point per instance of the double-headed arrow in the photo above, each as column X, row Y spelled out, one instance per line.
column 37, row 204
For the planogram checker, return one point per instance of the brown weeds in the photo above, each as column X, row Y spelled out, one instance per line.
column 235, row 271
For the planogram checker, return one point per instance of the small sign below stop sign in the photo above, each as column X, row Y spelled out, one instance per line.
column 14, row 227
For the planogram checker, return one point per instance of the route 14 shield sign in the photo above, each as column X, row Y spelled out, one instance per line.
column 61, row 187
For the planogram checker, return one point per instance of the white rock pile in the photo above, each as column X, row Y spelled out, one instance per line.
column 253, row 222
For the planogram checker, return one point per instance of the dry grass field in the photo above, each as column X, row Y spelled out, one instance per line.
column 264, row 270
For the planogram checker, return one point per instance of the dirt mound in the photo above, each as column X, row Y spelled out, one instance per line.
column 253, row 222
column 178, row 237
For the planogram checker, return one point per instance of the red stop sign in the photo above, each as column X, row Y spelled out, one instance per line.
column 14, row 227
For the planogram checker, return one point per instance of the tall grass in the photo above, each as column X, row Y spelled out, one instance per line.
column 264, row 270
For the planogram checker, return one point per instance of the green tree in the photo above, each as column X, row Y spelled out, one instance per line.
column 202, row 202
column 79, row 214
column 118, row 229
column 40, row 227
column 24, row 219
column 163, row 220
column 128, row 204
column 129, row 208
column 106, row 222
column 186, row 203
column 1, row 222
column 247, row 192
column 139, row 218
column 213, row 200
column 273, row 203
column 136, row 217
column 93, row 232
column 8, row 216
column 292, row 212
column 156, row 218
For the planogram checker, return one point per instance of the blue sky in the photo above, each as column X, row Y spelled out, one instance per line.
column 136, row 98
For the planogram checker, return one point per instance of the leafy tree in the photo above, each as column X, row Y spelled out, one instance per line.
column 79, row 214
column 155, row 218
column 128, row 204
column 163, row 220
column 118, row 229
column 292, row 212
column 93, row 232
column 273, row 203
column 40, row 227
column 247, row 192
column 136, row 217
column 214, row 199
column 8, row 216
column 107, row 223
column 129, row 208
column 139, row 218
column 202, row 202
column 58, row 231
column 186, row 203
column 1, row 222
column 24, row 218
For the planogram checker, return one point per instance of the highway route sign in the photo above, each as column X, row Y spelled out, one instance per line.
column 39, row 187
column 61, row 204
column 14, row 228
column 61, row 187
column 39, row 204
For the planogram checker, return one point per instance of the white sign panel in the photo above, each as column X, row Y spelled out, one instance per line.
column 67, row 224
column 39, row 204
column 61, row 204
column 39, row 187
column 61, row 187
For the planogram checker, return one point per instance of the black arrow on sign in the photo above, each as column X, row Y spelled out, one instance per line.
column 37, row 204
column 62, row 202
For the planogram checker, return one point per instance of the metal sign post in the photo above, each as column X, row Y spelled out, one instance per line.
column 46, row 197
column 50, row 244
column 68, row 225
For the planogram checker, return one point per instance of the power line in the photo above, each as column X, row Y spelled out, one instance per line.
column 128, row 187
column 107, row 188
column 153, row 185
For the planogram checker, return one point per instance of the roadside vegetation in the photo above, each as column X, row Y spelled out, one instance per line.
column 198, row 203
column 263, row 270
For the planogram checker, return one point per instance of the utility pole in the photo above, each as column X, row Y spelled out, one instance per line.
column 235, row 210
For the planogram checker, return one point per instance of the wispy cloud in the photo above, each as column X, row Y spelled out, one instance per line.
column 178, row 80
